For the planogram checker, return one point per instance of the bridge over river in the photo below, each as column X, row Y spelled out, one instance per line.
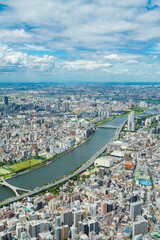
column 13, row 188
column 108, row 126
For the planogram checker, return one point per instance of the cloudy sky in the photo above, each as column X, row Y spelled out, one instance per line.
column 79, row 40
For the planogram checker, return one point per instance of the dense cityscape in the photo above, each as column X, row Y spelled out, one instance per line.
column 113, row 195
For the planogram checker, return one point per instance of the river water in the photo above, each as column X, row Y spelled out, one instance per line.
column 64, row 164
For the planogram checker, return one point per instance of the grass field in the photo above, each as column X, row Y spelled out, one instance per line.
column 4, row 171
column 24, row 165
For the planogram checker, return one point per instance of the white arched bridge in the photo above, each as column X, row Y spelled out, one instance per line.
column 14, row 188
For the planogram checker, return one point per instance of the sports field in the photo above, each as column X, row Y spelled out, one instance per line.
column 24, row 165
column 4, row 171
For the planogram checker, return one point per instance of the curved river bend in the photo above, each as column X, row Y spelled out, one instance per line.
column 64, row 164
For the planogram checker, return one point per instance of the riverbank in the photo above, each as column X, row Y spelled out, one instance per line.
column 44, row 163
column 30, row 168
column 67, row 176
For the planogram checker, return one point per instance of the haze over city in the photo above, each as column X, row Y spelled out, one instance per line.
column 85, row 40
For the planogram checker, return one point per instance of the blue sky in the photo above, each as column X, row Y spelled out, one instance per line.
column 82, row 40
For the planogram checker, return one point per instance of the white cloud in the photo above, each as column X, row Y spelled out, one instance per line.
column 17, row 35
column 113, row 57
column 132, row 61
column 89, row 24
column 90, row 32
column 16, row 59
column 83, row 64
column 34, row 47
column 116, row 71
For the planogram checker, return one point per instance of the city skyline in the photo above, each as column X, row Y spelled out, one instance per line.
column 94, row 40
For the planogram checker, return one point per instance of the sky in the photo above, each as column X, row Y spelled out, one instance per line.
column 79, row 40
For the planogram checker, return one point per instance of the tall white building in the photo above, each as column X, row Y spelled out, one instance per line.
column 76, row 217
column 73, row 230
column 131, row 122
column 135, row 209
column 92, row 210
column 140, row 226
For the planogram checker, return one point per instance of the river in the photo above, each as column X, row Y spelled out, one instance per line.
column 64, row 164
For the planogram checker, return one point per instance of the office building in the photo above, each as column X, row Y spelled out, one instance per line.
column 131, row 122
column 92, row 210
column 85, row 228
column 101, row 172
column 65, row 106
column 6, row 101
column 93, row 226
column 135, row 209
column 64, row 232
column 57, row 233
column 76, row 217
column 104, row 207
column 66, row 217
column 36, row 227
column 57, row 105
column 73, row 230
column 109, row 206
column 5, row 235
column 140, row 227
column 58, row 221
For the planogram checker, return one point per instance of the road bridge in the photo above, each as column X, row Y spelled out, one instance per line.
column 108, row 126
column 14, row 188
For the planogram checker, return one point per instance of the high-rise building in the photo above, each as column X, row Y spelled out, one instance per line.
column 104, row 207
column 73, row 230
column 85, row 228
column 92, row 210
column 58, row 221
column 109, row 206
column 135, row 209
column 57, row 105
column 6, row 101
column 76, row 217
column 64, row 232
column 5, row 235
column 79, row 229
column 140, row 226
column 131, row 122
column 130, row 103
column 93, row 226
column 66, row 217
column 65, row 106
column 36, row 227
column 57, row 233
column 134, row 198
column 6, row 107
column 101, row 172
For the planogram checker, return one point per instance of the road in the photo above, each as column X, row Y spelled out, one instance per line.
column 67, row 177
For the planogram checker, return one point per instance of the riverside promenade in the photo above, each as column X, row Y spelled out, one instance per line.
column 69, row 176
